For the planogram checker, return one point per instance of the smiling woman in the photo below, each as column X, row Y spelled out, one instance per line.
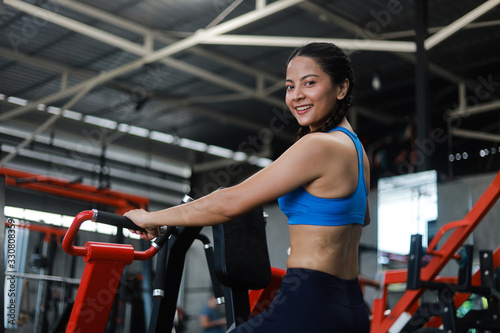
column 321, row 183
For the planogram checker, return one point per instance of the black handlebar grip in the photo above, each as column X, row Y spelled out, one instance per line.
column 125, row 222
column 116, row 220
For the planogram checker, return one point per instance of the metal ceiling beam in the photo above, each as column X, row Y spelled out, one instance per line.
column 332, row 17
column 74, row 25
column 432, row 30
column 220, row 29
column 57, row 67
column 161, row 37
column 150, row 57
column 60, row 69
column 468, row 134
column 282, row 41
column 221, row 81
column 353, row 28
column 474, row 110
column 454, row 27
column 99, row 79
column 226, row 61
column 225, row 13
column 46, row 64
column 260, row 4
column 431, row 41
column 104, row 16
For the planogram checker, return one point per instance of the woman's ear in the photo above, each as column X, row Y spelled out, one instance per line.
column 343, row 87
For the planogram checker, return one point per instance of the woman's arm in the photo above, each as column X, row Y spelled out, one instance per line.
column 299, row 165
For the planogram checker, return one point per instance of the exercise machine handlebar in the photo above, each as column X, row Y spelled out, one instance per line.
column 118, row 221
column 106, row 218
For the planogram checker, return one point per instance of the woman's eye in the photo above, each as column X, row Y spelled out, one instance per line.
column 289, row 87
column 309, row 83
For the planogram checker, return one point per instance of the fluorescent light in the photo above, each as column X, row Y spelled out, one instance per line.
column 14, row 212
column 72, row 115
column 162, row 137
column 219, row 151
column 53, row 110
column 106, row 229
column 31, row 215
column 138, row 131
column 262, row 162
column 50, row 218
column 239, row 156
column 41, row 107
column 123, row 127
column 127, row 233
column 191, row 144
column 17, row 100
column 67, row 220
column 2, row 97
column 89, row 226
column 100, row 122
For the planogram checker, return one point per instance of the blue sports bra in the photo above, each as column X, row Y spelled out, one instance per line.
column 301, row 207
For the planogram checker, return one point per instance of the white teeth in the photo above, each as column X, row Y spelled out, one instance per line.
column 300, row 108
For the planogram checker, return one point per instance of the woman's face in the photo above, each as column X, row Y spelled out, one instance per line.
column 310, row 92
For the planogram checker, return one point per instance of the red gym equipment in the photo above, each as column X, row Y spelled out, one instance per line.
column 419, row 278
column 102, row 273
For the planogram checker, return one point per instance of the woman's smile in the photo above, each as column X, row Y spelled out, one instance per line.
column 303, row 109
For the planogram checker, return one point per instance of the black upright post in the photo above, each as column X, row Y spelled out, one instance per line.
column 159, row 287
column 178, row 245
column 209, row 254
column 424, row 146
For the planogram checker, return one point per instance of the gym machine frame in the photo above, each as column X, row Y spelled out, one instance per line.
column 419, row 278
column 105, row 263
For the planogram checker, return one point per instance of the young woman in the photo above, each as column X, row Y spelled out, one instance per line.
column 321, row 183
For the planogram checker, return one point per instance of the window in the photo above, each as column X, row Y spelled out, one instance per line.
column 406, row 205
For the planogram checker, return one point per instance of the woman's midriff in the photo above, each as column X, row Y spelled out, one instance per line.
column 329, row 249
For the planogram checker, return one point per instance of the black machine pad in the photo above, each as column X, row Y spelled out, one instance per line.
column 240, row 251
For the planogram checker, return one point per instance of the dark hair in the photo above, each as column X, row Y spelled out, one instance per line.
column 334, row 62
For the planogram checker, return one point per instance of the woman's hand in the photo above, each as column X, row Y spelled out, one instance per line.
column 141, row 218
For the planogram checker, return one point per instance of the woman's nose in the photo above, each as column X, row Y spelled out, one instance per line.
column 297, row 94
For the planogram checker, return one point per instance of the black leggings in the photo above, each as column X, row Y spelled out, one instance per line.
column 312, row 301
